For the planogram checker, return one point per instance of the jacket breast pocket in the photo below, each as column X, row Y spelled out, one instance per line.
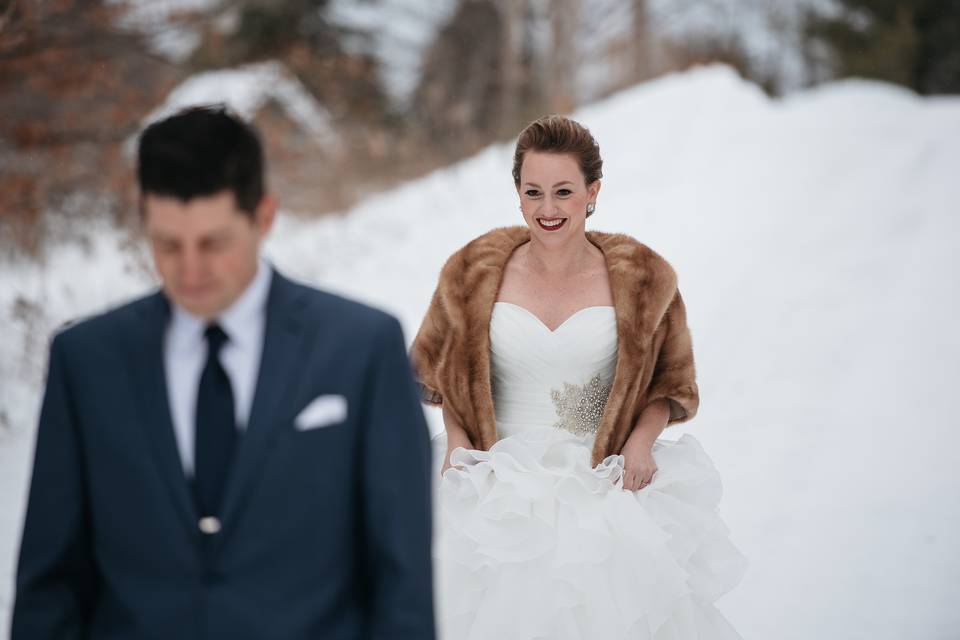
column 323, row 412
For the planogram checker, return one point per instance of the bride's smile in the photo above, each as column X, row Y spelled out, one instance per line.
column 551, row 224
column 555, row 198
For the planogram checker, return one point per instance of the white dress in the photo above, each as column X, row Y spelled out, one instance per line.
column 531, row 541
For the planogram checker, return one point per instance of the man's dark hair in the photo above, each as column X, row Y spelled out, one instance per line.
column 201, row 151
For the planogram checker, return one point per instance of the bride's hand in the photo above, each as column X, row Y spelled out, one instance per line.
column 453, row 443
column 446, row 462
column 456, row 436
column 639, row 465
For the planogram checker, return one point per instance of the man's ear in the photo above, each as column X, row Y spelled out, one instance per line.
column 265, row 214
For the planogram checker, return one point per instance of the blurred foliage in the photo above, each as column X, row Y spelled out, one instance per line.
column 456, row 103
column 269, row 29
column 77, row 79
column 914, row 43
column 345, row 81
column 73, row 87
column 297, row 33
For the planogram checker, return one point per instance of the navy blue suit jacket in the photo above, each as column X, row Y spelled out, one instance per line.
column 325, row 532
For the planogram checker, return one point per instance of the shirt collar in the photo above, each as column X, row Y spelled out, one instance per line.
column 241, row 321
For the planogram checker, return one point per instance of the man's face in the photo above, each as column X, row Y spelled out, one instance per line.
column 205, row 249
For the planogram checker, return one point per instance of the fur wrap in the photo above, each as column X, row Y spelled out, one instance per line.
column 451, row 353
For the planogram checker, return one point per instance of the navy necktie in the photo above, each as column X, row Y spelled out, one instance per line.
column 216, row 428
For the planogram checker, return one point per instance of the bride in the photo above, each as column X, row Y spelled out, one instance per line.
column 558, row 357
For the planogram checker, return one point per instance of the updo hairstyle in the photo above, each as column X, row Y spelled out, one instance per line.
column 559, row 134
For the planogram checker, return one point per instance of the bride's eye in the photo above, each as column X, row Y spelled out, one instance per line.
column 563, row 193
column 532, row 193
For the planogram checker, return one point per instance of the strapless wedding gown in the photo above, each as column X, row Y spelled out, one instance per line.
column 531, row 541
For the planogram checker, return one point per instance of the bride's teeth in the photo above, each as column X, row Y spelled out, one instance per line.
column 550, row 223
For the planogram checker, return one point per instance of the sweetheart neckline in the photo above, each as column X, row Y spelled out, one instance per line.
column 544, row 324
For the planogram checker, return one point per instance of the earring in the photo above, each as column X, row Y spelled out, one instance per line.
column 591, row 207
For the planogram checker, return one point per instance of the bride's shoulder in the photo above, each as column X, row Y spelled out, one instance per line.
column 626, row 253
column 492, row 249
column 498, row 241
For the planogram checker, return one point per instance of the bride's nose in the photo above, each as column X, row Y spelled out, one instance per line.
column 549, row 207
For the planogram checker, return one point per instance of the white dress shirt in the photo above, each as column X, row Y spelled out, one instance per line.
column 185, row 354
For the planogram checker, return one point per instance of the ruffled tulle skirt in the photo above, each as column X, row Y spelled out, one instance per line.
column 531, row 541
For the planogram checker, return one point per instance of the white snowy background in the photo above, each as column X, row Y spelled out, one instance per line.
column 816, row 239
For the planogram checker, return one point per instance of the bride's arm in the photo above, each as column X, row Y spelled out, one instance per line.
column 456, row 436
column 673, row 396
column 639, row 465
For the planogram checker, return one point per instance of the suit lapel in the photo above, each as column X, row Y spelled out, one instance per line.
column 282, row 354
column 147, row 363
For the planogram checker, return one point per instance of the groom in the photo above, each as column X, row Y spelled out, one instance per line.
column 236, row 456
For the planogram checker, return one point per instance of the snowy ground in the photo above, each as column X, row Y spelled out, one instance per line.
column 817, row 245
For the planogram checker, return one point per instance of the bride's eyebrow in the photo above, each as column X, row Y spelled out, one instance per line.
column 534, row 184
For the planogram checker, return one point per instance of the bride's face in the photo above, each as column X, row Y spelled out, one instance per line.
column 554, row 195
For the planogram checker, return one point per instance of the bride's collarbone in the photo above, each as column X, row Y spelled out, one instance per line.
column 553, row 306
column 555, row 298
column 521, row 274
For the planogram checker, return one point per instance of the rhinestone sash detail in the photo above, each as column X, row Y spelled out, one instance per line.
column 580, row 407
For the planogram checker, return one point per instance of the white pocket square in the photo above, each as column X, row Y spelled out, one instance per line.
column 322, row 412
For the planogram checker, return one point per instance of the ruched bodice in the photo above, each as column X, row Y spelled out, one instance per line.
column 545, row 378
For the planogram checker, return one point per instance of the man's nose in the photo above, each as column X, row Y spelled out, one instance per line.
column 191, row 267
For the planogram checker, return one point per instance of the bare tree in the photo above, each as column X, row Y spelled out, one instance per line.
column 644, row 65
column 514, row 15
column 457, row 101
column 562, row 63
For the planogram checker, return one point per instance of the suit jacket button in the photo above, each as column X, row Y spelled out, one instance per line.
column 209, row 525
